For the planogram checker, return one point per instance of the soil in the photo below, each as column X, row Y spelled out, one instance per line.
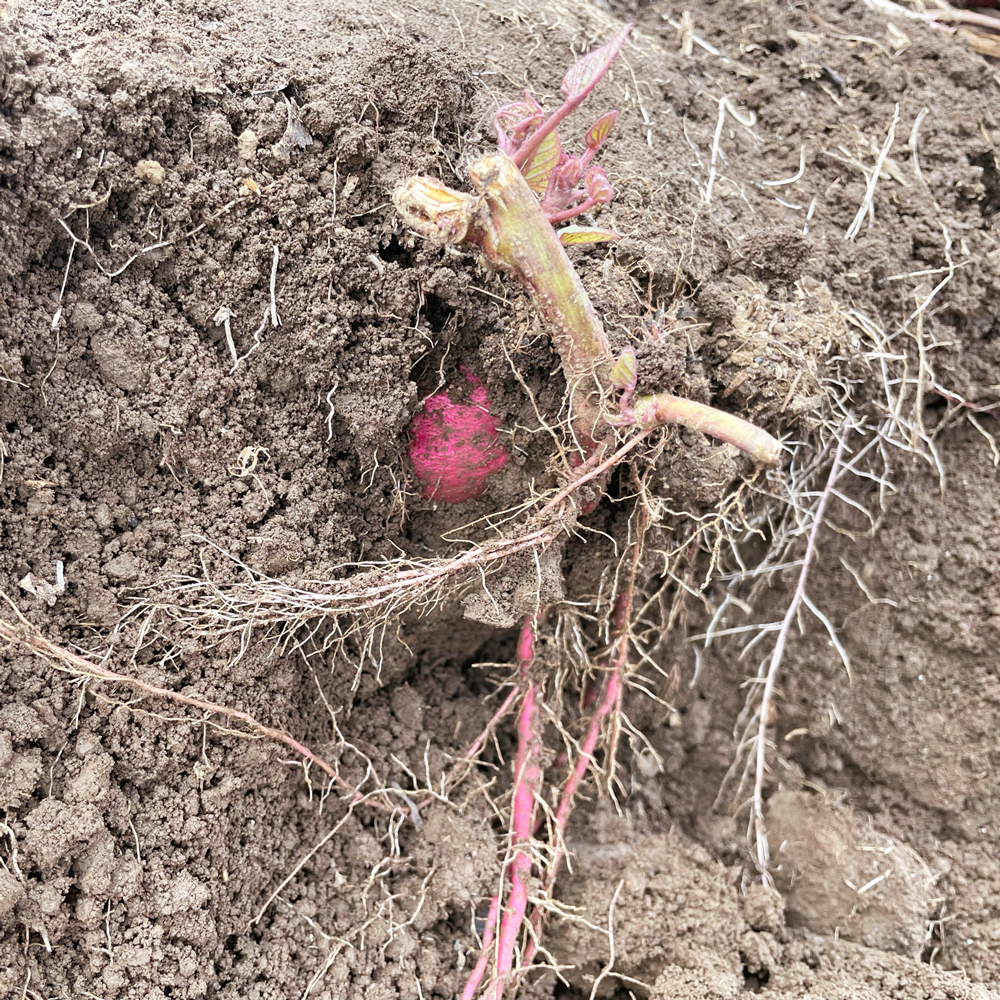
column 150, row 851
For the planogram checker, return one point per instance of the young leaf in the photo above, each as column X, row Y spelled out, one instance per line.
column 575, row 235
column 577, row 84
column 513, row 122
column 542, row 164
column 598, row 132
column 623, row 374
column 585, row 72
column 511, row 115
column 599, row 189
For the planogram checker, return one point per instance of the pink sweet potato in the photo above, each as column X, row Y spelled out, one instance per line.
column 454, row 446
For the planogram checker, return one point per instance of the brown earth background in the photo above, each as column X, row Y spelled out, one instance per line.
column 142, row 843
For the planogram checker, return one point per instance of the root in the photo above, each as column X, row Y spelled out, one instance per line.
column 27, row 636
column 867, row 204
column 901, row 365
column 764, row 711
column 479, row 970
column 527, row 781
column 364, row 603
column 516, row 917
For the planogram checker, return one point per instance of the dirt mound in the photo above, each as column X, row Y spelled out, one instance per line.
column 214, row 333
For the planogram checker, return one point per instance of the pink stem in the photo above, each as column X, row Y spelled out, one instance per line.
column 571, row 213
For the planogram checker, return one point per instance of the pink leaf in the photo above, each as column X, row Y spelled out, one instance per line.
column 577, row 84
column 562, row 189
column 515, row 122
column 542, row 164
column 583, row 76
column 598, row 132
column 511, row 115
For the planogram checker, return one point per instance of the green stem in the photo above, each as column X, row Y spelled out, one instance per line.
column 516, row 234
column 507, row 221
column 519, row 236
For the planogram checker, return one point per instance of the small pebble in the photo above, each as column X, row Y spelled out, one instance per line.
column 246, row 145
column 150, row 170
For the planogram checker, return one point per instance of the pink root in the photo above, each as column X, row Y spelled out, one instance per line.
column 522, row 823
column 476, row 976
column 610, row 704
column 527, row 777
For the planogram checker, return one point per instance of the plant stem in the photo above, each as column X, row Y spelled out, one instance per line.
column 508, row 223
column 662, row 408
column 518, row 235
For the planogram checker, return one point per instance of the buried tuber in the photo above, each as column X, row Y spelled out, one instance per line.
column 454, row 445
column 522, row 190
